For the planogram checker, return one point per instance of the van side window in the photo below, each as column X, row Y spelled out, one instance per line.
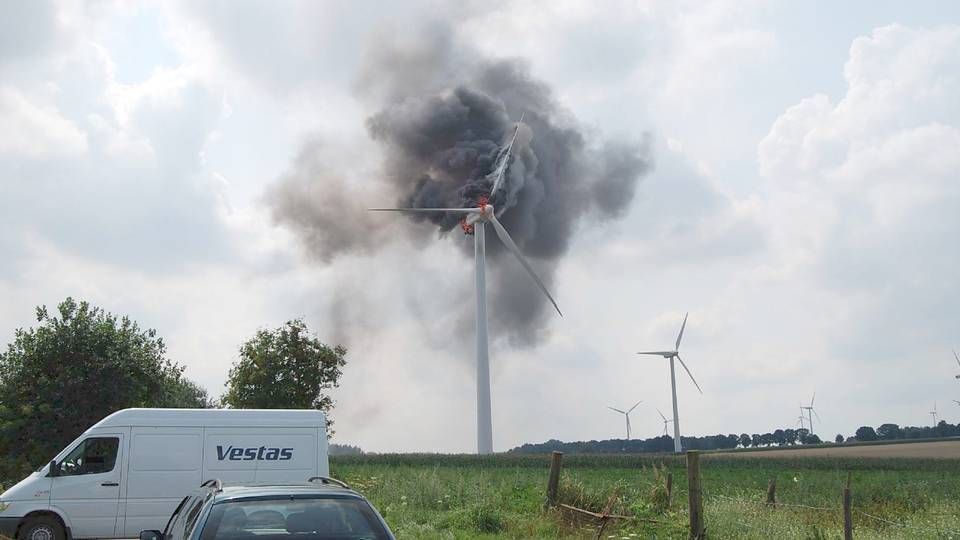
column 92, row 456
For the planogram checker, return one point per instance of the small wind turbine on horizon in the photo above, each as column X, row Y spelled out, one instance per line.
column 474, row 220
column 665, row 422
column 810, row 412
column 801, row 419
column 671, row 355
column 933, row 413
column 626, row 415
column 958, row 362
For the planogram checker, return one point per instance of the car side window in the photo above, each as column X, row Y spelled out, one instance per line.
column 92, row 456
column 178, row 524
column 192, row 516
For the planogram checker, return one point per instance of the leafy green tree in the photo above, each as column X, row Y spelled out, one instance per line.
column 285, row 368
column 744, row 440
column 790, row 436
column 866, row 433
column 888, row 432
column 838, row 439
column 59, row 378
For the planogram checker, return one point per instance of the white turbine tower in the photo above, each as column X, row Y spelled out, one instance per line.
column 933, row 413
column 801, row 419
column 476, row 218
column 626, row 414
column 955, row 355
column 671, row 355
column 665, row 422
column 810, row 412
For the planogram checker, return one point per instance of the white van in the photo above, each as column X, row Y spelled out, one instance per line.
column 128, row 472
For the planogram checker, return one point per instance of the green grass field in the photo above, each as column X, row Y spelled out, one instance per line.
column 502, row 496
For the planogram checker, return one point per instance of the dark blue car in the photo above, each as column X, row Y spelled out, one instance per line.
column 320, row 509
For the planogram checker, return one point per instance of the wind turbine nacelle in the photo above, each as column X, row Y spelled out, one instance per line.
column 485, row 213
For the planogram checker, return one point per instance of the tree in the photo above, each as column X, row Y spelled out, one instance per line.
column 888, row 432
column 755, row 440
column 790, row 435
column 744, row 440
column 285, row 368
column 59, row 378
column 866, row 433
column 779, row 437
column 838, row 439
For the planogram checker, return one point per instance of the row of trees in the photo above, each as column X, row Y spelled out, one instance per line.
column 893, row 432
column 664, row 443
column 779, row 437
column 83, row 363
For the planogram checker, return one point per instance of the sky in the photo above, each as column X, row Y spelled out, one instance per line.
column 798, row 196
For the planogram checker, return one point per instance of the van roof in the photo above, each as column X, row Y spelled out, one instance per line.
column 214, row 417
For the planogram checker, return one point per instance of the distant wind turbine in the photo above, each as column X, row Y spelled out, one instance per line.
column 801, row 419
column 933, row 413
column 626, row 415
column 810, row 412
column 671, row 355
column 473, row 220
column 958, row 362
column 665, row 422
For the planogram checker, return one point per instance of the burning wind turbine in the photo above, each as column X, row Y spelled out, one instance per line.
column 473, row 222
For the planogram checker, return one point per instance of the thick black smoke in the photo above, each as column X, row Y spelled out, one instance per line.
column 442, row 116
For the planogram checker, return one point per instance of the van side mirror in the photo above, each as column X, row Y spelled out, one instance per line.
column 54, row 469
column 151, row 535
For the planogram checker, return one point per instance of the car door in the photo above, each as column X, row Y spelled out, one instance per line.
column 87, row 485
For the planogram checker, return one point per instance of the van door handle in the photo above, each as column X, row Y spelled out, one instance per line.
column 110, row 484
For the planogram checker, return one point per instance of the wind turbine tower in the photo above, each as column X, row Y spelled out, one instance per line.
column 626, row 415
column 474, row 220
column 671, row 356
column 958, row 363
column 665, row 422
column 933, row 413
column 810, row 412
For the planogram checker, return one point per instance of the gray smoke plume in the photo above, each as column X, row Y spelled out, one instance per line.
column 443, row 114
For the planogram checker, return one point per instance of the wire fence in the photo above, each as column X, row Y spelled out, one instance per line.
column 937, row 531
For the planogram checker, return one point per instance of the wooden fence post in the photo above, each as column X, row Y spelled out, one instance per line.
column 772, row 492
column 553, row 483
column 669, row 489
column 847, row 513
column 696, row 496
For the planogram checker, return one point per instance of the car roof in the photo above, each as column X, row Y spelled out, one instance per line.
column 272, row 491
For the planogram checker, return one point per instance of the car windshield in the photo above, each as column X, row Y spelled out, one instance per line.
column 293, row 519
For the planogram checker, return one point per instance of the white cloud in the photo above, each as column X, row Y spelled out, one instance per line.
column 35, row 130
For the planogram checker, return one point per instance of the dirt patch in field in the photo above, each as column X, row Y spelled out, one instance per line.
column 926, row 450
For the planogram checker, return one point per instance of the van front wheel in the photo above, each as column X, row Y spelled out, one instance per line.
column 41, row 528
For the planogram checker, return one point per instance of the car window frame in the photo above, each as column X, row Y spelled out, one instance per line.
column 384, row 532
column 82, row 445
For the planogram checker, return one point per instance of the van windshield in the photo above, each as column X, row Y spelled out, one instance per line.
column 283, row 519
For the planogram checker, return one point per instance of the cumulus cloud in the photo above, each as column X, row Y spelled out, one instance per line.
column 870, row 183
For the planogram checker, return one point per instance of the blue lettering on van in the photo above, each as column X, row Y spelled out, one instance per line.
column 263, row 453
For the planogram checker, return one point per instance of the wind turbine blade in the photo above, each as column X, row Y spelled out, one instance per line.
column 680, row 335
column 634, row 407
column 957, row 402
column 505, row 160
column 688, row 373
column 665, row 354
column 618, row 410
column 661, row 415
column 813, row 398
column 505, row 238
column 957, row 357
column 815, row 414
column 428, row 210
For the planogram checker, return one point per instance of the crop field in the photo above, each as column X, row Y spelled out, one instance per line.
column 439, row 497
column 898, row 449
